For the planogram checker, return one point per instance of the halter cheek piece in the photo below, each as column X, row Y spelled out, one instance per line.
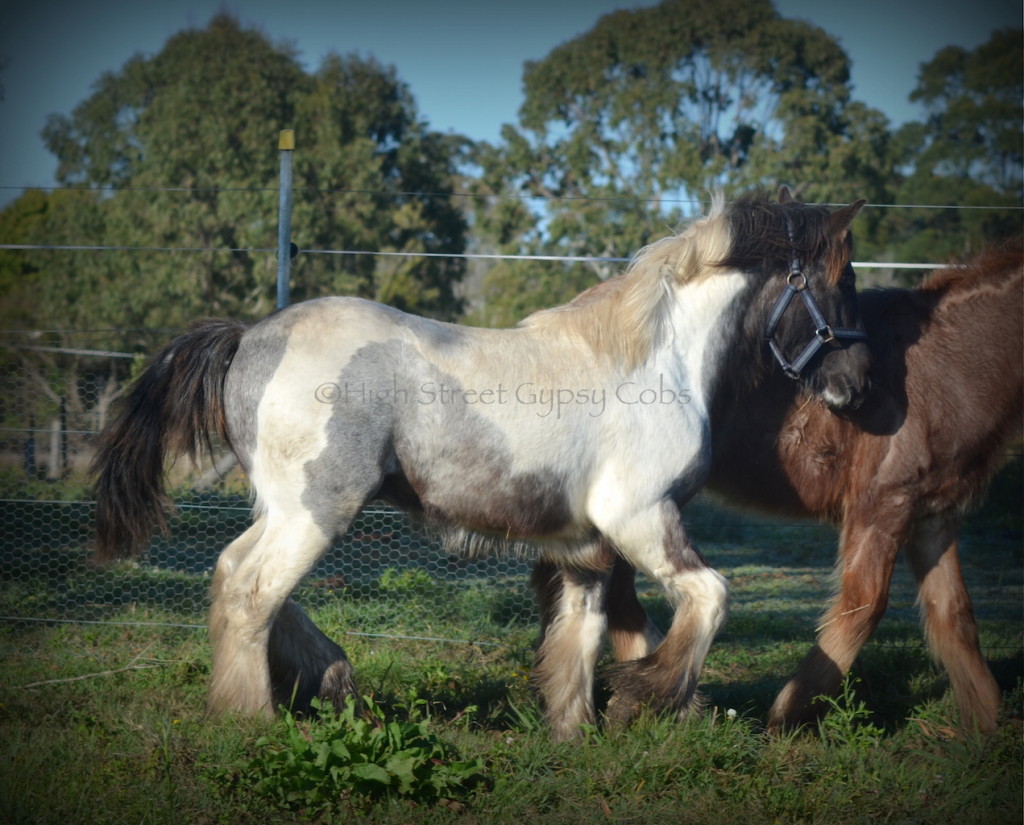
column 796, row 284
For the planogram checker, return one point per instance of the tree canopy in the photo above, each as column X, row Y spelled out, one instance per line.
column 968, row 152
column 624, row 132
column 184, row 145
column 630, row 126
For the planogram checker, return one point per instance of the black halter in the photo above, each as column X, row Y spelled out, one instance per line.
column 796, row 284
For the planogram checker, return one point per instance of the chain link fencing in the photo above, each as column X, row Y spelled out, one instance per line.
column 388, row 576
column 59, row 388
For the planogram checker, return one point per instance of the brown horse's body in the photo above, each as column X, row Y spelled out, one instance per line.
column 947, row 398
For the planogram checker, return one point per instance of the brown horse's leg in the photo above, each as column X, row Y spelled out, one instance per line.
column 868, row 554
column 949, row 621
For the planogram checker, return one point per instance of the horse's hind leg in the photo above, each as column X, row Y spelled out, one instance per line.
column 630, row 631
column 949, row 621
column 573, row 607
column 254, row 577
column 221, row 616
column 868, row 555
column 305, row 663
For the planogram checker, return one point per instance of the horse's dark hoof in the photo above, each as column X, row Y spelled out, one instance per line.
column 337, row 685
column 620, row 711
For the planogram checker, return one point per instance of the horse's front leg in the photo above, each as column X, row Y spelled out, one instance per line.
column 868, row 547
column 656, row 541
column 632, row 633
column 573, row 625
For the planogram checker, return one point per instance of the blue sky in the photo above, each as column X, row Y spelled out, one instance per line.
column 461, row 58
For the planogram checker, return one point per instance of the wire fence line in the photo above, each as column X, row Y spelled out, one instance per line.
column 479, row 256
column 889, row 265
column 492, row 196
column 184, row 626
column 383, row 565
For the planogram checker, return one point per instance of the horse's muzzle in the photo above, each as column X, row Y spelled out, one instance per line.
column 843, row 395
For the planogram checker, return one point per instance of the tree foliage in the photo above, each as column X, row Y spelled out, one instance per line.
column 187, row 142
column 628, row 127
column 373, row 178
column 179, row 151
column 974, row 104
column 623, row 133
column 968, row 152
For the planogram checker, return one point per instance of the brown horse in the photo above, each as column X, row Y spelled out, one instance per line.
column 898, row 474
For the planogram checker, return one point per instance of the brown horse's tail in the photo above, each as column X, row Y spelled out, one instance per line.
column 175, row 407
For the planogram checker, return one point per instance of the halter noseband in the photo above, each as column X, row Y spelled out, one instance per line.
column 796, row 284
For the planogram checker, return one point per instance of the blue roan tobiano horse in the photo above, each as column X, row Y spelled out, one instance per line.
column 581, row 431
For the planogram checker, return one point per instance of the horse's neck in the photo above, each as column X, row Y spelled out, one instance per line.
column 704, row 323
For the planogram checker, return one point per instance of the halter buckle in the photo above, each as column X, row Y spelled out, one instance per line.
column 824, row 333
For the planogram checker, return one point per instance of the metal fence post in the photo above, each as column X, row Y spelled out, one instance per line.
column 286, row 143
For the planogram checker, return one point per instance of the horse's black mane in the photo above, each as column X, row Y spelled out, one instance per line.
column 760, row 235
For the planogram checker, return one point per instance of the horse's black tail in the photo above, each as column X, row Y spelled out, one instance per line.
column 175, row 407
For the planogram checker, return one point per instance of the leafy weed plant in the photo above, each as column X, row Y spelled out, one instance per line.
column 314, row 765
column 847, row 725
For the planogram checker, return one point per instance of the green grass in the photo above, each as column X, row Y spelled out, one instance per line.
column 103, row 723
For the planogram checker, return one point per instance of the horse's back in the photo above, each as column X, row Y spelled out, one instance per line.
column 284, row 378
column 321, row 324
column 949, row 377
column 965, row 377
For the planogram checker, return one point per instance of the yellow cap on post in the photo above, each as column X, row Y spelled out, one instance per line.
column 286, row 140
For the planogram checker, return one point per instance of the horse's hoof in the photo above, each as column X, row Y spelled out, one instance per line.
column 620, row 711
column 337, row 685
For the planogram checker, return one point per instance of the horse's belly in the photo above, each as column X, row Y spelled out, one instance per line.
column 485, row 497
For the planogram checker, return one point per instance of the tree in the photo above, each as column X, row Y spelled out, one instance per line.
column 968, row 151
column 373, row 178
column 628, row 127
column 179, row 151
column 187, row 139
column 51, row 382
column 973, row 100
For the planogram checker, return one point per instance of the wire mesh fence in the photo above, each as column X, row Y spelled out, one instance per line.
column 59, row 388
column 387, row 576
column 384, row 560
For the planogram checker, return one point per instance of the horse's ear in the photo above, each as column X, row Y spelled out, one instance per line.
column 840, row 220
column 785, row 196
